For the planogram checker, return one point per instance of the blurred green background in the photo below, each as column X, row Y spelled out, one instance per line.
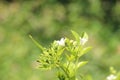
column 48, row 20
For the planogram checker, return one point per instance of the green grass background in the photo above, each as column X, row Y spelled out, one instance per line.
column 48, row 20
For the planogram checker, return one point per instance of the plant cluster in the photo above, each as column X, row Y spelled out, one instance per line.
column 114, row 74
column 64, row 55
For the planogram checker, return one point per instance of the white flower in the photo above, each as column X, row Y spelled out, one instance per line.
column 83, row 41
column 61, row 42
column 111, row 77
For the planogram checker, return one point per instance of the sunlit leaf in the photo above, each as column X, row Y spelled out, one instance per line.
column 71, row 57
column 76, row 35
column 84, row 35
column 61, row 51
column 84, row 51
column 80, row 64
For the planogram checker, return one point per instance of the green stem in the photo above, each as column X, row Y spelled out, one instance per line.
column 65, row 71
column 76, row 62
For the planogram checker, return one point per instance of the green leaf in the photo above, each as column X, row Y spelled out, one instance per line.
column 60, row 51
column 85, row 50
column 70, row 57
column 80, row 64
column 84, row 35
column 76, row 35
column 36, row 42
column 61, row 76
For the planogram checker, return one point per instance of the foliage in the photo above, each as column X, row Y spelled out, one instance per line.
column 114, row 74
column 49, row 20
column 64, row 55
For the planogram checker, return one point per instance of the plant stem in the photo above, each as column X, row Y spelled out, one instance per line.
column 64, row 71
